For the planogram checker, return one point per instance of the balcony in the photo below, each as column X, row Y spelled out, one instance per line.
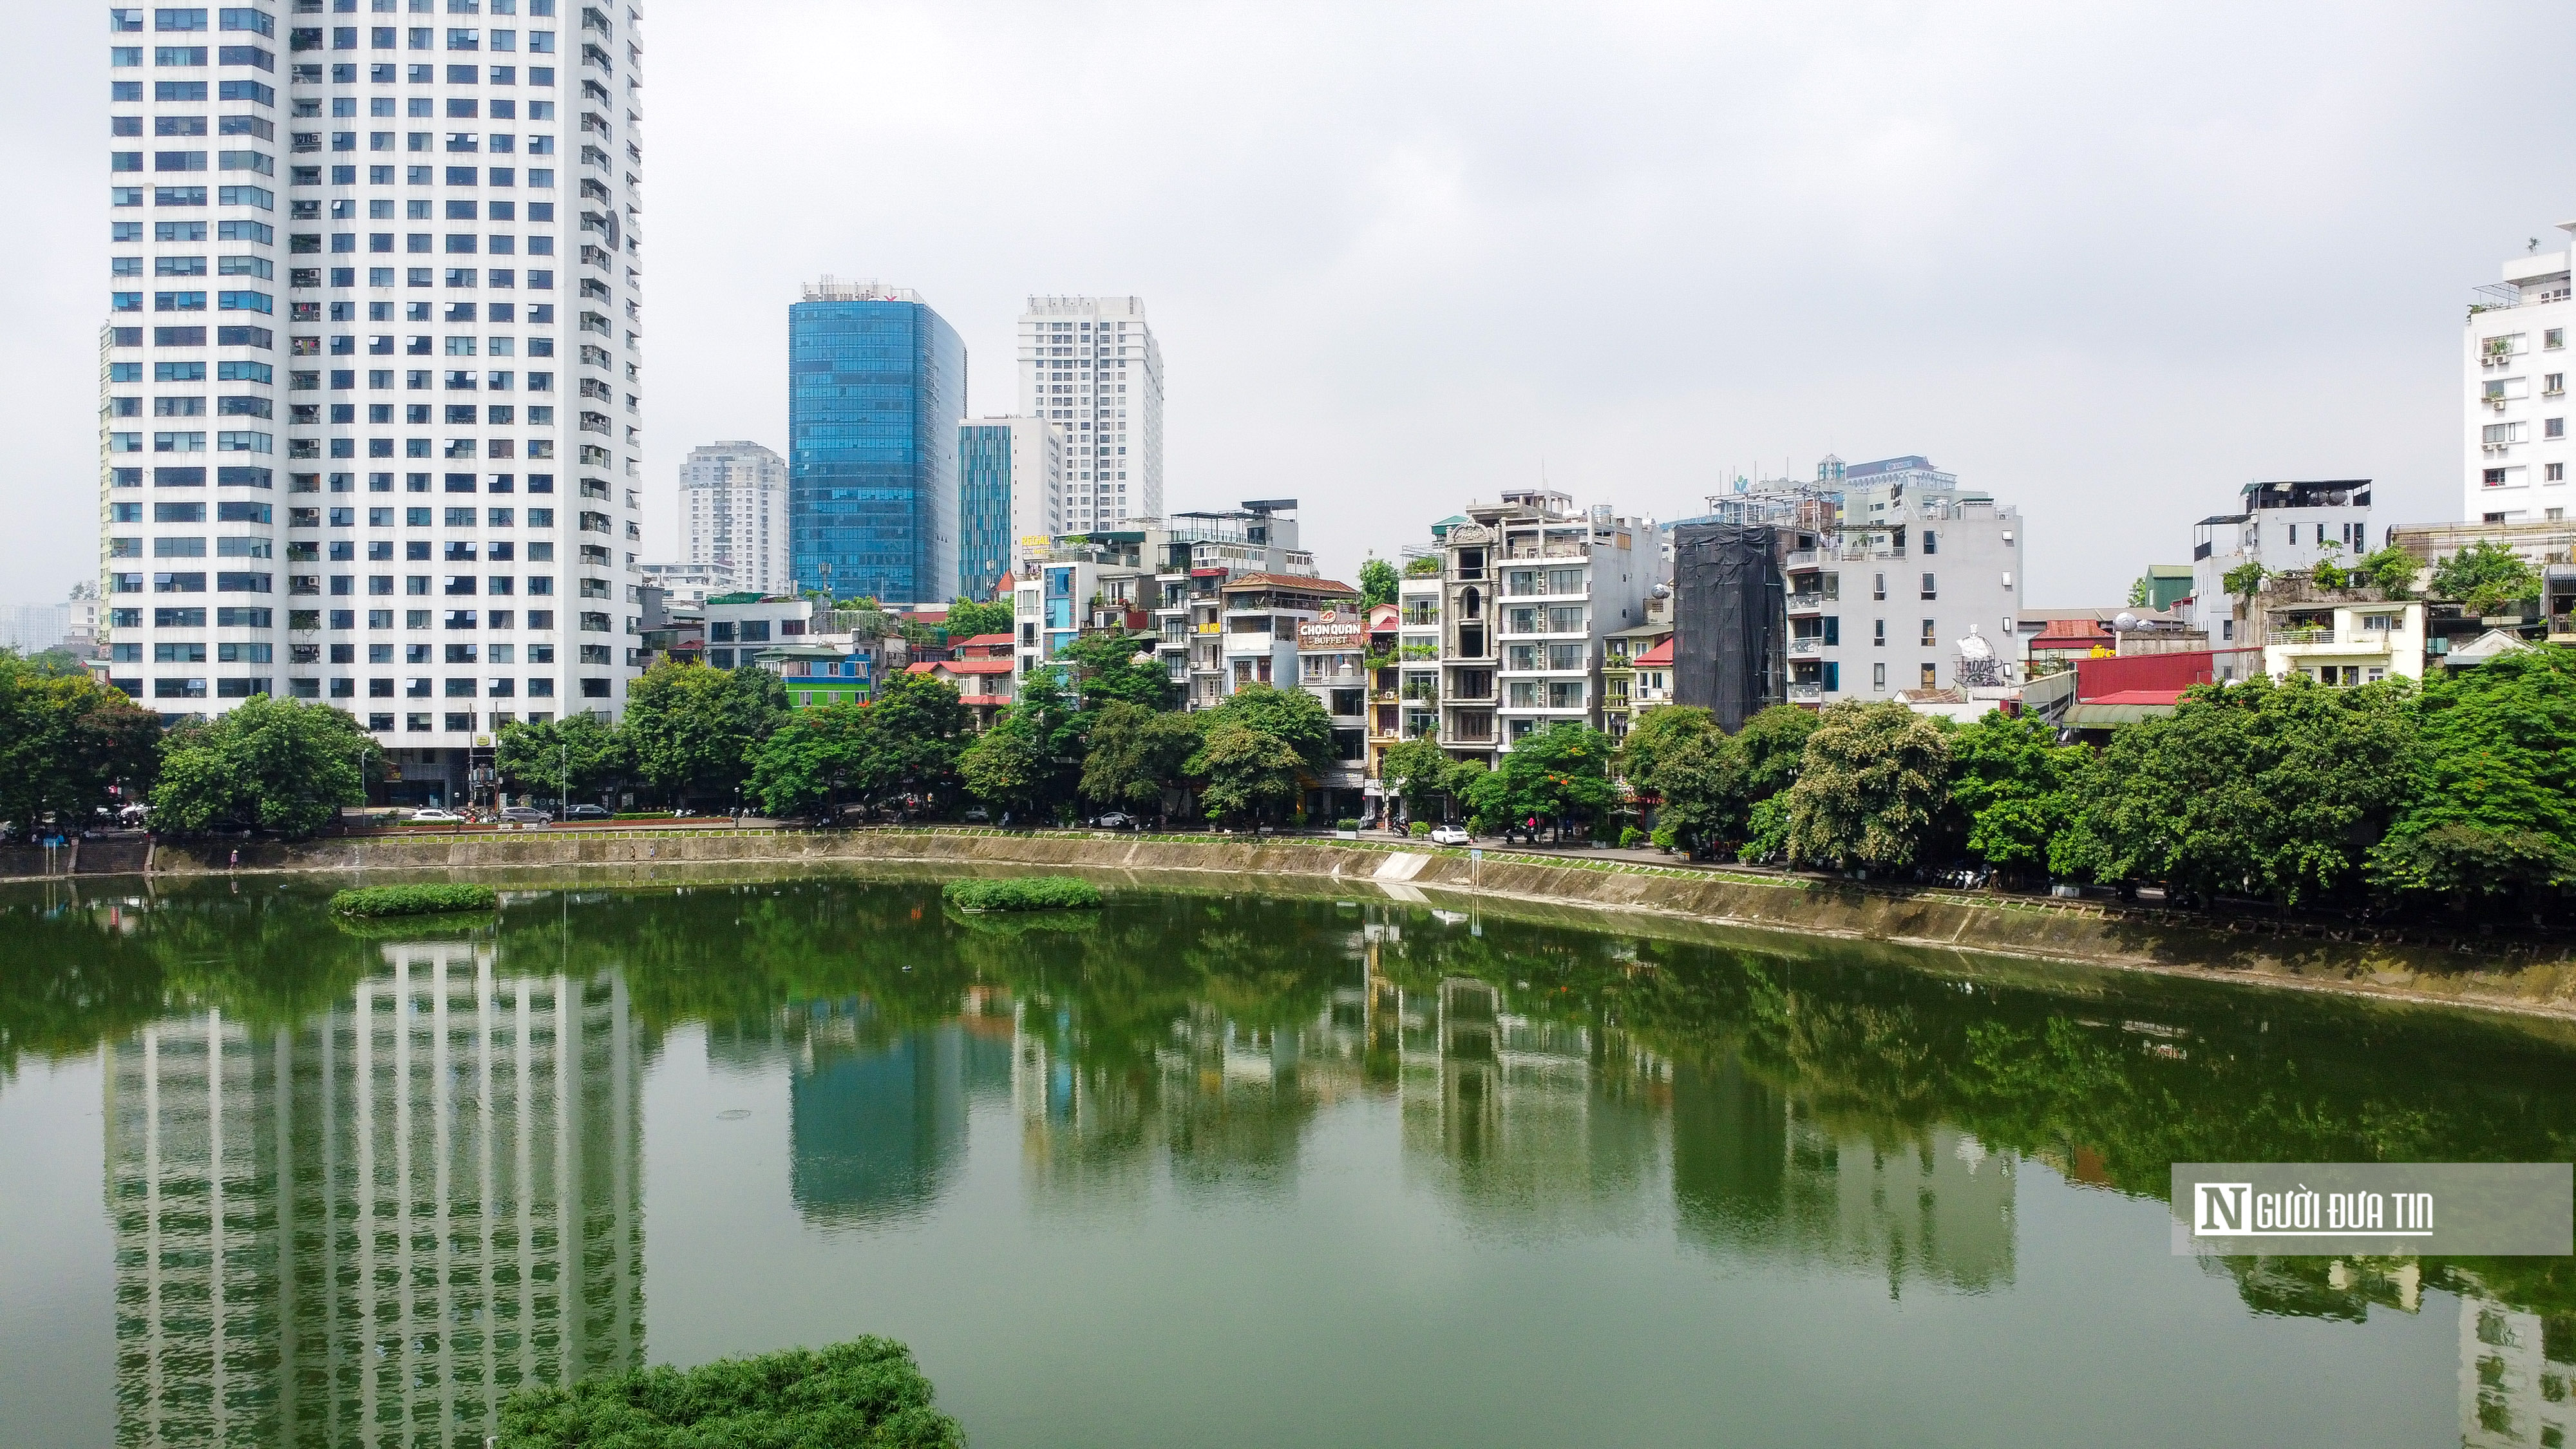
column 1806, row 694
column 1806, row 558
column 1809, row 646
column 1809, row 603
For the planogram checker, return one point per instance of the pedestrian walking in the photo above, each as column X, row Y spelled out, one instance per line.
column 236, row 860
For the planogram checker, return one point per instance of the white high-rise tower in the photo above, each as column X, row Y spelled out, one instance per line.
column 1090, row 366
column 421, row 382
column 733, row 512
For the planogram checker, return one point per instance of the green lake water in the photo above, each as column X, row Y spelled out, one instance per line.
column 1206, row 1169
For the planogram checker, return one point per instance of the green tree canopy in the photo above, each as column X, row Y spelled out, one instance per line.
column 1105, row 668
column 692, row 728
column 1872, row 777
column 1418, row 770
column 1249, row 772
column 2015, row 787
column 68, row 745
column 278, row 764
column 2392, row 570
column 1559, row 774
column 916, row 729
column 1291, row 716
column 1775, row 748
column 806, row 763
column 2486, row 576
column 1378, row 584
column 862, row 1393
column 1136, row 755
column 2261, row 789
column 576, row 754
column 2491, row 798
column 968, row 618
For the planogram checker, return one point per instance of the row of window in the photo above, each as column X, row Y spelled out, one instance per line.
column 191, row 57
column 121, row 21
column 190, row 92
column 242, row 511
column 344, row 620
column 258, row 161
column 188, row 652
column 194, row 477
column 194, row 442
column 244, row 301
column 182, row 92
column 258, row 198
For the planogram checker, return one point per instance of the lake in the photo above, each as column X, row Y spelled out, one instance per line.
column 1198, row 1168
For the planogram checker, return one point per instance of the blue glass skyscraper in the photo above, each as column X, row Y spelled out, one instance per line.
column 984, row 509
column 876, row 386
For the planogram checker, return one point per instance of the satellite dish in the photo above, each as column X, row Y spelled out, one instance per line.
column 2125, row 622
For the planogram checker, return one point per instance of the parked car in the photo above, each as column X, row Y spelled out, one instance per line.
column 526, row 815
column 1116, row 820
column 977, row 815
column 586, row 812
column 1448, row 835
column 436, row 816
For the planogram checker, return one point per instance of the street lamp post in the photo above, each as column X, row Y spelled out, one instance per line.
column 563, row 781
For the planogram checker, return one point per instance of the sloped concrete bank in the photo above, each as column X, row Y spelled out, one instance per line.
column 2394, row 965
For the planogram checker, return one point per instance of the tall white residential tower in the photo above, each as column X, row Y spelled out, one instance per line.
column 372, row 388
column 733, row 513
column 2515, row 366
column 1090, row 366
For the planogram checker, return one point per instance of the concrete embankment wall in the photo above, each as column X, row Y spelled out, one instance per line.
column 2405, row 965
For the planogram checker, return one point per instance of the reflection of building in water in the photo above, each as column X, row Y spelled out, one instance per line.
column 877, row 1128
column 1542, row 1123
column 1755, row 1169
column 368, row 1228
column 2517, row 1371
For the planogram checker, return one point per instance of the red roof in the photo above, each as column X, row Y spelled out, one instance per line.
column 985, row 639
column 963, row 666
column 1660, row 654
column 2167, row 697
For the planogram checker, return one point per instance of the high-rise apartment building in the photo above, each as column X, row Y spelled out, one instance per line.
column 733, row 513
column 1090, row 366
column 372, row 403
column 876, row 388
column 2515, row 370
column 1011, row 478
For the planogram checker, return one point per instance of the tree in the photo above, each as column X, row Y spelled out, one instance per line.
column 2262, row 789
column 1117, row 665
column 2329, row 573
column 2485, row 576
column 2491, row 799
column 1867, row 787
column 968, row 618
column 1248, row 770
column 2245, row 580
column 692, row 728
column 865, row 1391
column 916, row 729
column 804, row 765
column 1416, row 769
column 1557, row 774
column 576, row 755
column 279, row 764
column 1459, row 783
column 2015, row 786
column 1378, row 584
column 2138, row 592
column 1136, row 755
column 68, row 745
column 1677, row 754
column 2392, row 569
column 1775, row 748
column 1292, row 716
column 1007, row 768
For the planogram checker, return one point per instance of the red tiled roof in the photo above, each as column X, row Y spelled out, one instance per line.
column 968, row 666
column 1660, row 654
column 984, row 639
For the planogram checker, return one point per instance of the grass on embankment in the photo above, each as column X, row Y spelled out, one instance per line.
column 1022, row 893
column 413, row 900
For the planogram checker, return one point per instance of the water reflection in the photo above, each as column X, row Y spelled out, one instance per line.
column 368, row 1226
column 360, row 1191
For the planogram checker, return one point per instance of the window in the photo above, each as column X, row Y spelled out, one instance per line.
column 2553, row 427
column 1878, row 677
column 2554, row 338
column 1931, row 679
column 1878, row 586
column 2554, row 473
column 1931, row 587
column 1931, row 543
column 1931, row 634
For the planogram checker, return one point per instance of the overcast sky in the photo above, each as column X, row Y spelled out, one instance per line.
column 2105, row 265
